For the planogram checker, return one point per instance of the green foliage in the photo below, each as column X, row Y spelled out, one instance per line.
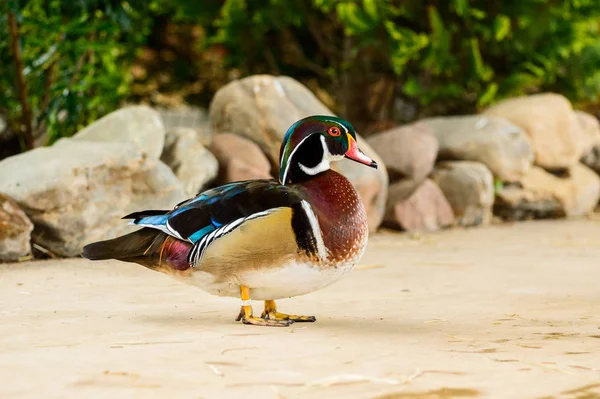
column 462, row 54
column 448, row 56
column 74, row 62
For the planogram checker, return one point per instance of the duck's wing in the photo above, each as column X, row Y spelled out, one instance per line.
column 216, row 213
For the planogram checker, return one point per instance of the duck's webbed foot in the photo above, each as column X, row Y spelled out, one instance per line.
column 271, row 313
column 247, row 317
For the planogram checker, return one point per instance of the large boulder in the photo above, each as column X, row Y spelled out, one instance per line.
column 15, row 230
column 262, row 108
column 590, row 129
column 186, row 116
column 408, row 151
column 469, row 188
column 501, row 146
column 549, row 121
column 426, row 210
column 76, row 191
column 543, row 195
column 192, row 163
column 239, row 159
column 140, row 125
column 592, row 159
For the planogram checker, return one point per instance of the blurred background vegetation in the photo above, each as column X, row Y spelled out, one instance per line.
column 65, row 63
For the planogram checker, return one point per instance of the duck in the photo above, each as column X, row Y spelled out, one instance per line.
column 261, row 239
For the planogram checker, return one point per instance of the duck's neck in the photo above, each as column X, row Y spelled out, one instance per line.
column 339, row 210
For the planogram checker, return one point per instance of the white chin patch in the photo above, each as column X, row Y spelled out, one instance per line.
column 320, row 167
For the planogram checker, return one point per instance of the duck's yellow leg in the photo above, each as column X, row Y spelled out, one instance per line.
column 246, row 313
column 271, row 313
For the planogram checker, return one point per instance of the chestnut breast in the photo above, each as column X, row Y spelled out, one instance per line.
column 340, row 212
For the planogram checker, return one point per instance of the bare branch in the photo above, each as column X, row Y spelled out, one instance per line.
column 26, row 130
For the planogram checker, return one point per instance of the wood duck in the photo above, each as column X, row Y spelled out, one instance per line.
column 261, row 239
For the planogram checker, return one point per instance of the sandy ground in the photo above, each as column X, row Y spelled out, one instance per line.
column 502, row 312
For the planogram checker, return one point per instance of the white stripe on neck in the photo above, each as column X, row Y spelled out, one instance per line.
column 287, row 167
column 321, row 167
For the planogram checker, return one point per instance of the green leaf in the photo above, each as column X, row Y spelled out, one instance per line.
column 487, row 97
column 478, row 14
column 501, row 27
column 534, row 69
column 461, row 7
column 437, row 25
column 356, row 20
column 498, row 186
column 477, row 64
column 439, row 56
column 412, row 88
column 370, row 7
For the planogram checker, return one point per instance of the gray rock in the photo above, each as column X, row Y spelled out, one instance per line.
column 590, row 128
column 239, row 159
column 262, row 108
column 140, row 125
column 15, row 231
column 193, row 164
column 589, row 132
column 76, row 191
column 425, row 210
column 186, row 116
column 469, row 188
column 408, row 151
column 592, row 159
column 549, row 121
column 543, row 195
column 501, row 146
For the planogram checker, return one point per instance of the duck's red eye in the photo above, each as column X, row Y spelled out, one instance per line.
column 334, row 131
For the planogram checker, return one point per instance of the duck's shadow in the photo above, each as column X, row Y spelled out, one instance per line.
column 326, row 325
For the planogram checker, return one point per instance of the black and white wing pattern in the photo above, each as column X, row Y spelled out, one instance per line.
column 215, row 213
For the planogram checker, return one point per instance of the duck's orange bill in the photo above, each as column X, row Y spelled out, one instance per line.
column 355, row 154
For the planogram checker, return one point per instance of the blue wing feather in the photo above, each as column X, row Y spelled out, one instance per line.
column 195, row 218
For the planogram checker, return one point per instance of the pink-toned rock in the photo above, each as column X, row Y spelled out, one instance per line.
column 408, row 151
column 239, row 159
column 425, row 210
column 549, row 121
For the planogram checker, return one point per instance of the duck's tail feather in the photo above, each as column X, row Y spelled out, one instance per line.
column 148, row 247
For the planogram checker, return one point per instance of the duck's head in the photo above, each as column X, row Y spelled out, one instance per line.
column 312, row 143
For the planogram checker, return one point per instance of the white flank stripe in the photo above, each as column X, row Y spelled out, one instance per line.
column 314, row 224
